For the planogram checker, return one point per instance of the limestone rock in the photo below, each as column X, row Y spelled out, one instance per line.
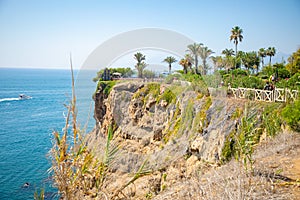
column 161, row 133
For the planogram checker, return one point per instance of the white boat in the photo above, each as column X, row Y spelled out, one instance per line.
column 23, row 96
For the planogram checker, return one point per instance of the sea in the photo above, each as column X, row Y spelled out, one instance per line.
column 26, row 125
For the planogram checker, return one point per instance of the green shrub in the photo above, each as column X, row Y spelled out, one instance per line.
column 245, row 82
column 271, row 119
column 268, row 71
column 168, row 96
column 223, row 72
column 294, row 81
column 169, row 79
column 239, row 72
column 228, row 148
column 291, row 114
column 106, row 86
column 213, row 80
column 109, row 86
column 283, row 73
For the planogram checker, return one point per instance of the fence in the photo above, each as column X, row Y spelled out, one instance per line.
column 276, row 95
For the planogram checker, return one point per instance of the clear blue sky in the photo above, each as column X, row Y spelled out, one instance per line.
column 41, row 34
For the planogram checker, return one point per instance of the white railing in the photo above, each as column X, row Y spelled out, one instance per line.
column 276, row 95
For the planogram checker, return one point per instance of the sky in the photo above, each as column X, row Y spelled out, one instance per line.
column 42, row 34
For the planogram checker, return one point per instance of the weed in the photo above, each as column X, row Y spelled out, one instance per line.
column 168, row 96
column 271, row 120
column 39, row 195
column 291, row 114
column 77, row 172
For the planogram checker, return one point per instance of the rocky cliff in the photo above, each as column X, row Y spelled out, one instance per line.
column 185, row 139
column 173, row 127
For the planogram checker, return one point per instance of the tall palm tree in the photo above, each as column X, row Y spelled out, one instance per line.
column 186, row 63
column 140, row 65
column 170, row 60
column 236, row 36
column 228, row 52
column 271, row 51
column 262, row 54
column 194, row 50
column 205, row 53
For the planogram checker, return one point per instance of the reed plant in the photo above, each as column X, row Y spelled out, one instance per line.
column 77, row 172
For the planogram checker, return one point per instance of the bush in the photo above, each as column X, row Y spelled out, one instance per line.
column 169, row 79
column 268, row 71
column 244, row 81
column 291, row 114
column 283, row 73
column 292, row 83
column 223, row 72
column 239, row 72
column 271, row 120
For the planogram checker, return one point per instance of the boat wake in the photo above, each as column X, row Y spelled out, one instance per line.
column 9, row 99
column 21, row 97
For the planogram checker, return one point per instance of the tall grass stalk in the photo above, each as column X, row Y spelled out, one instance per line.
column 77, row 172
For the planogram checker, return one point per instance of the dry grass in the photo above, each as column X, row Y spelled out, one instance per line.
column 77, row 172
column 275, row 175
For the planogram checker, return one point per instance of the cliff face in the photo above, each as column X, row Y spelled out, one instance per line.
column 183, row 137
column 171, row 126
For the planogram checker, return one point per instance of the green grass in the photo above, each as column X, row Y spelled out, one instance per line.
column 107, row 85
column 200, row 118
column 228, row 148
column 151, row 89
column 168, row 96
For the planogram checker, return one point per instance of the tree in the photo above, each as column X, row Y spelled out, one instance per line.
column 238, row 60
column 140, row 68
column 228, row 52
column 236, row 36
column 205, row 53
column 251, row 60
column 148, row 74
column 215, row 59
column 294, row 62
column 228, row 63
column 194, row 50
column 262, row 54
column 271, row 51
column 186, row 63
column 139, row 57
column 140, row 65
column 170, row 60
column 126, row 72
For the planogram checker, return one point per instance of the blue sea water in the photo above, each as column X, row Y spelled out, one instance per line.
column 26, row 126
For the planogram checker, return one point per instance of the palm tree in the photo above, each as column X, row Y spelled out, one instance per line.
column 204, row 54
column 236, row 36
column 228, row 52
column 271, row 51
column 251, row 61
column 194, row 50
column 186, row 63
column 170, row 60
column 262, row 54
column 140, row 65
column 139, row 57
column 214, row 59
